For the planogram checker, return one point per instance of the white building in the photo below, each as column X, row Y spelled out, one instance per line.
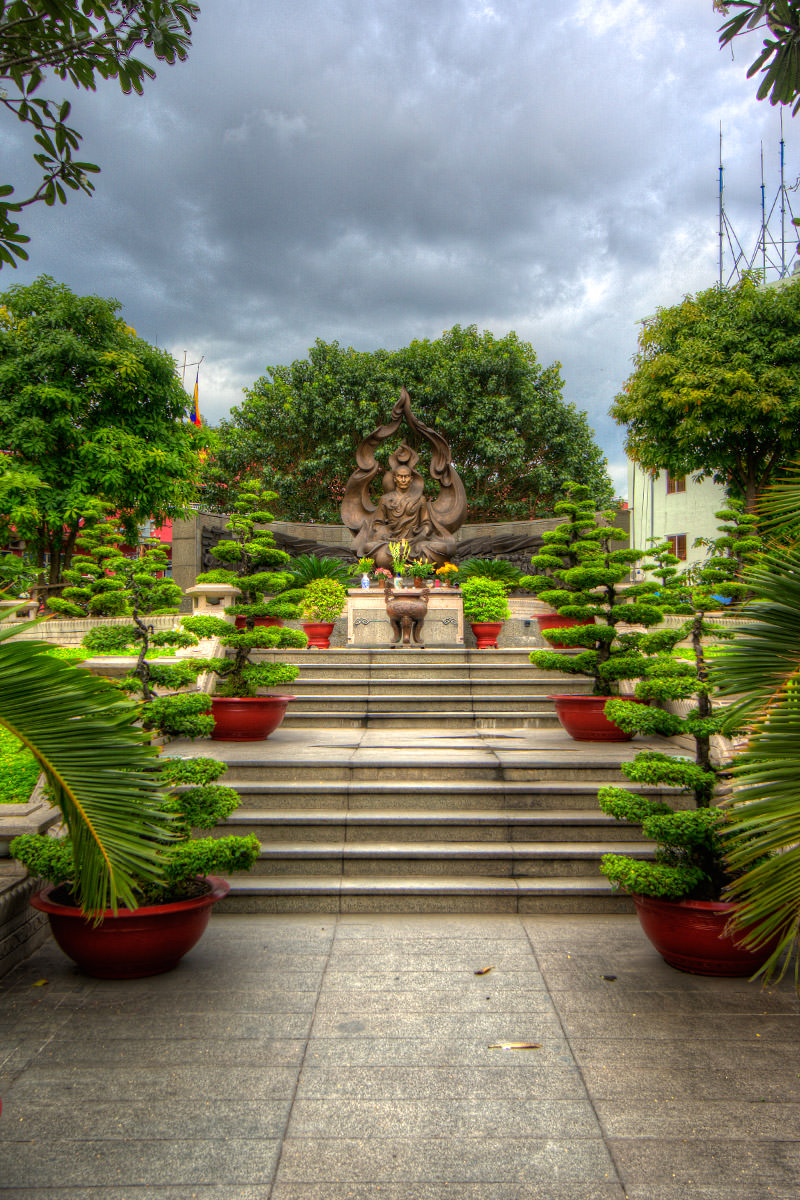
column 673, row 509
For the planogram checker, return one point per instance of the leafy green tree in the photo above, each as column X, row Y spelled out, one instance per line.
column 514, row 440
column 93, row 415
column 78, row 41
column 716, row 389
column 778, row 60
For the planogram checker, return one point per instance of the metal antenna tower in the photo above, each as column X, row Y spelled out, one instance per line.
column 772, row 254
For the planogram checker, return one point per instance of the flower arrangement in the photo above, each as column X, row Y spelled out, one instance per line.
column 382, row 573
column 447, row 572
column 421, row 569
column 399, row 552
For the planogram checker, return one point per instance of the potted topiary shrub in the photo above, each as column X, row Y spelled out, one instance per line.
column 144, row 590
column 563, row 547
column 680, row 896
column 485, row 607
column 323, row 601
column 169, row 913
column 591, row 590
column 240, row 713
column 250, row 553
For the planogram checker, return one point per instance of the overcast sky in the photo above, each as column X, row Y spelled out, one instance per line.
column 371, row 172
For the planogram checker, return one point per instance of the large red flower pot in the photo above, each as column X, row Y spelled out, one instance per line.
column 554, row 621
column 690, row 935
column 486, row 633
column 584, row 720
column 133, row 942
column 258, row 622
column 318, row 633
column 247, row 718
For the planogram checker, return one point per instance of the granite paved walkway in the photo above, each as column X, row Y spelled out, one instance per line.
column 350, row 1058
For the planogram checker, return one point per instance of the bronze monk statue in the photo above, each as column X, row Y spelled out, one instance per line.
column 403, row 512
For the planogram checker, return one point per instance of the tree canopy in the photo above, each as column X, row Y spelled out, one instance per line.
column 514, row 440
column 779, row 57
column 716, row 386
column 89, row 414
column 78, row 41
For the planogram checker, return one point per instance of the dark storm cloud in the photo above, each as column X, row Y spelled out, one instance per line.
column 373, row 172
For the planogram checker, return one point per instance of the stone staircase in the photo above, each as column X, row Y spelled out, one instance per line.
column 403, row 689
column 475, row 801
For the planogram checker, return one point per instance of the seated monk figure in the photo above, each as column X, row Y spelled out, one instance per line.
column 404, row 514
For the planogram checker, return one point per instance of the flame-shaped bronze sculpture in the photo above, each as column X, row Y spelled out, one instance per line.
column 404, row 513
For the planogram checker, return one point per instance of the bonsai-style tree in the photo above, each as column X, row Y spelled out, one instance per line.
column 583, row 580
column 690, row 860
column 106, row 582
column 191, row 799
column 249, row 553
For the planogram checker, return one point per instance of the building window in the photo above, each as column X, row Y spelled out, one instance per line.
column 675, row 483
column 678, row 543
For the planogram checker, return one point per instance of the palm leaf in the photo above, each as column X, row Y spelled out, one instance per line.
column 98, row 764
column 778, row 506
column 762, row 665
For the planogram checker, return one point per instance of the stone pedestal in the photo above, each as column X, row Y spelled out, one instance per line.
column 368, row 624
column 211, row 599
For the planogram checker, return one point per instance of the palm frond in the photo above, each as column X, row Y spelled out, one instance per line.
column 98, row 764
column 778, row 508
column 763, row 839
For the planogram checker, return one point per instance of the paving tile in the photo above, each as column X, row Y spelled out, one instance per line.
column 435, row 999
column 419, row 1082
column 41, row 1085
column 470, row 1116
column 441, row 1050
column 551, row 1190
column 104, row 1163
column 753, row 1121
column 184, row 1117
column 493, row 1026
column 440, row 1160
column 718, row 1163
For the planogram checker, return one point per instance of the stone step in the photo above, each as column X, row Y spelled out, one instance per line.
column 562, row 859
column 410, row 702
column 415, row 825
column 432, row 659
column 426, row 691
column 570, row 895
column 443, row 799
column 397, row 769
column 402, row 718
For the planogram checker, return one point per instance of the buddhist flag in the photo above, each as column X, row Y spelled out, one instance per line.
column 194, row 411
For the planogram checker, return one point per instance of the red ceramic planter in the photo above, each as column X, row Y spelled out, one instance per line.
column 690, row 935
column 132, row 943
column 247, row 718
column 263, row 622
column 582, row 717
column 318, row 633
column 486, row 633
